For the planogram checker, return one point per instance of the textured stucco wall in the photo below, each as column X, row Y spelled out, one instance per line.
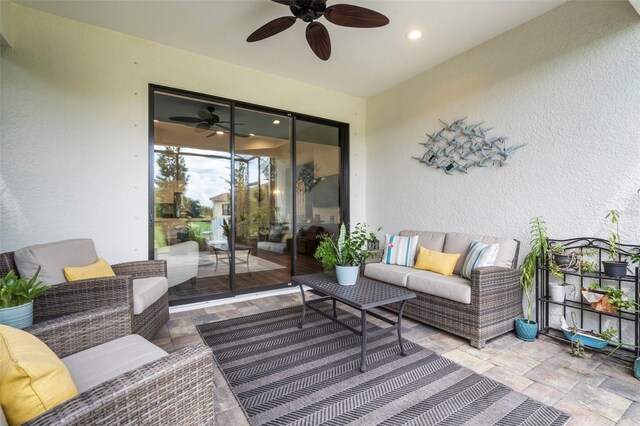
column 74, row 128
column 567, row 84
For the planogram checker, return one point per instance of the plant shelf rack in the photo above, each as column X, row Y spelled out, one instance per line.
column 583, row 310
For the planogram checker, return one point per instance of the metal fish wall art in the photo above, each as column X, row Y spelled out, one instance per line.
column 459, row 146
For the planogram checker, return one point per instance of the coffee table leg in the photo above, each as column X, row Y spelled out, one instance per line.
column 335, row 312
column 363, row 349
column 400, row 328
column 304, row 307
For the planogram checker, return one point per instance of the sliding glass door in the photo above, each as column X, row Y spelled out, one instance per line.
column 239, row 194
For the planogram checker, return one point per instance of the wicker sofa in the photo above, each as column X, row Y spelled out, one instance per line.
column 477, row 309
column 123, row 378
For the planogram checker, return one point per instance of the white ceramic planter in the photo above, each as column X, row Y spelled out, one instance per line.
column 557, row 292
column 347, row 275
column 18, row 316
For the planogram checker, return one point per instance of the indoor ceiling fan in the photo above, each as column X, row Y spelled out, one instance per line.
column 345, row 15
column 206, row 120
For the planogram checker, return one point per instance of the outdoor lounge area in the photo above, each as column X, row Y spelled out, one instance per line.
column 308, row 212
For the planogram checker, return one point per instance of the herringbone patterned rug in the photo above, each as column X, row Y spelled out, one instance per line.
column 286, row 376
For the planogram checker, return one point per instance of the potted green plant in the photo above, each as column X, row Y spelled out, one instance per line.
column 345, row 253
column 526, row 328
column 558, row 291
column 614, row 267
column 16, row 299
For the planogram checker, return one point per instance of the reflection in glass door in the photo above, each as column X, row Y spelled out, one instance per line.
column 239, row 199
column 317, row 189
column 263, row 200
column 192, row 165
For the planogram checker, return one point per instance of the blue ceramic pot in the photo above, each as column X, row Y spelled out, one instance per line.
column 526, row 330
column 18, row 316
column 347, row 275
column 636, row 369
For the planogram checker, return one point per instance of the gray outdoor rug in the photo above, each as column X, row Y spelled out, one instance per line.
column 282, row 375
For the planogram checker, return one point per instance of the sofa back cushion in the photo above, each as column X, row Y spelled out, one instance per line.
column 429, row 240
column 52, row 258
column 456, row 242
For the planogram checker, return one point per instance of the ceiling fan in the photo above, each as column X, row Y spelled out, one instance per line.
column 206, row 120
column 345, row 15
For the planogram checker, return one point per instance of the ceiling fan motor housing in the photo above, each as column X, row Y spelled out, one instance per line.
column 308, row 10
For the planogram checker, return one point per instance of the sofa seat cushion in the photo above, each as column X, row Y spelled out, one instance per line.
column 52, row 258
column 147, row 291
column 279, row 247
column 452, row 287
column 96, row 365
column 391, row 274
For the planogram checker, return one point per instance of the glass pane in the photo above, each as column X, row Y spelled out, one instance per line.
column 191, row 194
column 317, row 189
column 263, row 197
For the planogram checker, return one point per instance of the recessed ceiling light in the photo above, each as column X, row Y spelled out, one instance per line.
column 219, row 132
column 155, row 121
column 251, row 134
column 414, row 35
column 276, row 121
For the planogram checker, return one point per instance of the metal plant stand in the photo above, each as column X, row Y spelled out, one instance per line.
column 627, row 322
column 365, row 295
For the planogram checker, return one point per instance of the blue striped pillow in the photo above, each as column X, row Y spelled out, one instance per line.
column 400, row 250
column 479, row 255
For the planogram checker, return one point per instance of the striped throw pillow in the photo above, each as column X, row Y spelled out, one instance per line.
column 479, row 255
column 400, row 250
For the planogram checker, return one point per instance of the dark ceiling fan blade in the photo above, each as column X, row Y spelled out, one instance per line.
column 242, row 135
column 205, row 116
column 319, row 40
column 272, row 28
column 202, row 127
column 354, row 16
column 186, row 119
column 285, row 2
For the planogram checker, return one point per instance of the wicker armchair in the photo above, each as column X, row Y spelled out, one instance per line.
column 175, row 389
column 107, row 292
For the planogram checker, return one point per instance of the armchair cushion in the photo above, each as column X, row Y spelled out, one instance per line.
column 104, row 362
column 147, row 291
column 99, row 269
column 52, row 258
column 32, row 378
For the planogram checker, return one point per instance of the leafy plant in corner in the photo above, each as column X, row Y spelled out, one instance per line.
column 538, row 231
column 16, row 291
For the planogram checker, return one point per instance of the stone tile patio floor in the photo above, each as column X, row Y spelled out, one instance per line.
column 595, row 390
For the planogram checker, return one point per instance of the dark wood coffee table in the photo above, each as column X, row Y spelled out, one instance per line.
column 365, row 295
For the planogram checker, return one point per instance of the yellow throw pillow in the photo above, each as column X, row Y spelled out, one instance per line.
column 435, row 261
column 32, row 378
column 96, row 270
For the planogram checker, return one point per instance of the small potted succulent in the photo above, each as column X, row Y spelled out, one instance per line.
column 345, row 253
column 16, row 299
column 614, row 267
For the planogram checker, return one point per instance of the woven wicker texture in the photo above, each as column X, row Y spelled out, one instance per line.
column 82, row 330
column 175, row 390
column 496, row 300
column 365, row 294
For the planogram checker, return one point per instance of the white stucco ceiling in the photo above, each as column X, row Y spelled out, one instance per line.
column 363, row 61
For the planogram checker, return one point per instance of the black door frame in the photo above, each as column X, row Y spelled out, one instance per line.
column 343, row 132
